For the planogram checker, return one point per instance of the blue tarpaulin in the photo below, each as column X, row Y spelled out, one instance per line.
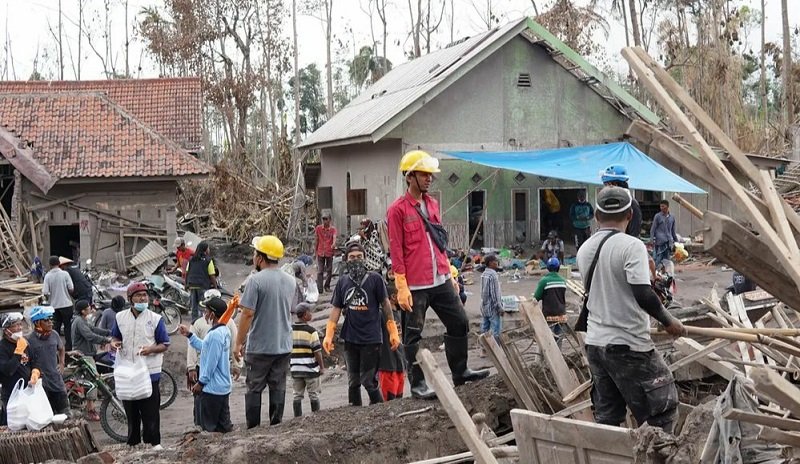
column 584, row 165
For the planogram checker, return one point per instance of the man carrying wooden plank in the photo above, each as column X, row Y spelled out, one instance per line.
column 626, row 369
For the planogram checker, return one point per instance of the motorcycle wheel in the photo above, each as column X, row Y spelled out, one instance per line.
column 172, row 317
column 167, row 388
column 113, row 420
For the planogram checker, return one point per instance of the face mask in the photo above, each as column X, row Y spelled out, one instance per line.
column 14, row 335
column 140, row 307
column 356, row 270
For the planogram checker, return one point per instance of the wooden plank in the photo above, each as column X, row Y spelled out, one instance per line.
column 736, row 308
column 566, row 412
column 565, row 379
column 779, row 210
column 771, row 384
column 749, row 254
column 571, row 396
column 708, row 349
column 458, row 414
column 772, row 435
column 544, row 439
column 48, row 204
column 498, row 452
column 688, row 346
column 762, row 419
column 689, row 207
column 510, row 376
column 776, row 211
column 770, row 237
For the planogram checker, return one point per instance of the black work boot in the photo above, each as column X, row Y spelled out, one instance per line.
column 354, row 396
column 276, row 400
column 375, row 396
column 252, row 409
column 456, row 349
column 416, row 378
column 297, row 405
column 314, row 405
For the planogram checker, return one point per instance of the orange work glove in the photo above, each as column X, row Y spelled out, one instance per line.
column 327, row 343
column 394, row 336
column 22, row 344
column 403, row 292
column 232, row 305
column 35, row 374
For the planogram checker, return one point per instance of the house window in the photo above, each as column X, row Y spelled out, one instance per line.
column 325, row 198
column 476, row 178
column 357, row 202
column 453, row 178
column 524, row 80
column 520, row 177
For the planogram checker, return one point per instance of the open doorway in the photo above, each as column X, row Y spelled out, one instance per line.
column 559, row 220
column 6, row 187
column 477, row 217
column 520, row 213
column 65, row 241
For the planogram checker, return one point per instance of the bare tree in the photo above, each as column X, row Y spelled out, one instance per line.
column 486, row 13
column 762, row 82
column 60, row 42
column 380, row 7
column 296, row 78
column 416, row 28
column 432, row 24
column 788, row 101
column 322, row 10
column 637, row 31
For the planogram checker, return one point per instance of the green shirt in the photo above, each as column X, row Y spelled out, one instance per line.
column 552, row 292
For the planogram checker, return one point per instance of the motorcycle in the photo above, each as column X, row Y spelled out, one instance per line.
column 81, row 378
column 664, row 285
column 98, row 294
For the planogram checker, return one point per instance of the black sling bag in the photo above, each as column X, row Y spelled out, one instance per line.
column 583, row 318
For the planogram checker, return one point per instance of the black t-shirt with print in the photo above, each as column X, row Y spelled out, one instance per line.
column 361, row 308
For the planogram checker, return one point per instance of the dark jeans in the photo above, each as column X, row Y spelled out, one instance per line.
column 215, row 413
column 265, row 371
column 144, row 420
column 445, row 302
column 58, row 402
column 581, row 235
column 195, row 297
column 324, row 265
column 639, row 380
column 63, row 316
column 362, row 366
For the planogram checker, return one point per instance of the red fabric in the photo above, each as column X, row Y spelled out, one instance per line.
column 408, row 240
column 325, row 238
column 391, row 382
column 183, row 257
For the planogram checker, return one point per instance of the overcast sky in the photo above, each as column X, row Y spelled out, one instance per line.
column 27, row 24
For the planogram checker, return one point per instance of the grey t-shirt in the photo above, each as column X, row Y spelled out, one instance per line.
column 271, row 295
column 57, row 285
column 43, row 353
column 615, row 318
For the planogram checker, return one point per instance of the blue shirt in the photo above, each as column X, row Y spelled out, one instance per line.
column 161, row 335
column 215, row 364
column 663, row 229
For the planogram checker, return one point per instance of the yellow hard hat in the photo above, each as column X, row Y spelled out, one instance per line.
column 420, row 161
column 270, row 245
column 453, row 271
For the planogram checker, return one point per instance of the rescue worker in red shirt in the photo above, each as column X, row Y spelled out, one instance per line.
column 422, row 275
column 182, row 255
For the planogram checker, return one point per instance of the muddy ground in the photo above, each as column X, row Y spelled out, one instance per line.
column 344, row 434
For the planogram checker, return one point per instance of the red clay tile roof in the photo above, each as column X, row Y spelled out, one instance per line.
column 84, row 134
column 172, row 106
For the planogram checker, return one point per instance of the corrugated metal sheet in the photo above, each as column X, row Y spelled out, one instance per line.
column 403, row 86
column 148, row 260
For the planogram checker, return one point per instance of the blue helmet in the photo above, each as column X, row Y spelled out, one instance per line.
column 614, row 173
column 553, row 264
column 39, row 313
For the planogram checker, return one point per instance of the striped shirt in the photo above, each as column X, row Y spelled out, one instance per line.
column 491, row 296
column 305, row 342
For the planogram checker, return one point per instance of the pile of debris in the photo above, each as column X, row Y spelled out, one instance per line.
column 232, row 206
column 18, row 293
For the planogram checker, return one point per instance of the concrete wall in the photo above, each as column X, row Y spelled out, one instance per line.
column 372, row 166
column 151, row 203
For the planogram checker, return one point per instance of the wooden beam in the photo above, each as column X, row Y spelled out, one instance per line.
column 770, row 237
column 772, row 435
column 749, row 254
column 774, row 202
column 565, row 379
column 689, row 207
column 458, row 414
column 771, row 384
column 708, row 349
column 510, row 376
column 585, row 404
column 498, row 452
column 762, row 419
column 688, row 346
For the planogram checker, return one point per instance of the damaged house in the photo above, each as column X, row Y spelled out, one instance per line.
column 90, row 169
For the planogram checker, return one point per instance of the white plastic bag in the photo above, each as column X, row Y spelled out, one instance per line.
column 312, row 292
column 40, row 414
column 17, row 407
column 132, row 379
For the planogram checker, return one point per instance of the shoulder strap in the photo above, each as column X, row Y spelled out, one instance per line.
column 590, row 274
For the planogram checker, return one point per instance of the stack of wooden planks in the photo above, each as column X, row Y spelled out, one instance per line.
column 16, row 293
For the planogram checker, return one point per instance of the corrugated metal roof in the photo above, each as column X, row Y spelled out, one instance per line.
column 148, row 260
column 369, row 116
column 404, row 85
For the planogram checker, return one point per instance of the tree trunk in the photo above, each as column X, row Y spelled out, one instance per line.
column 60, row 45
column 762, row 84
column 80, row 36
column 127, row 45
column 296, row 81
column 788, row 102
column 329, row 19
column 637, row 32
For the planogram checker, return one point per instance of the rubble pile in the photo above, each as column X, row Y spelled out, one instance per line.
column 232, row 206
